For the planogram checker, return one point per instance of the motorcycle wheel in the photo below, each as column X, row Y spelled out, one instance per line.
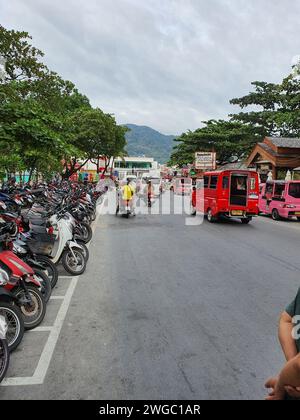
column 46, row 288
column 86, row 252
column 50, row 269
column 15, row 323
column 4, row 358
column 12, row 207
column 70, row 264
column 84, row 232
column 94, row 215
column 34, row 313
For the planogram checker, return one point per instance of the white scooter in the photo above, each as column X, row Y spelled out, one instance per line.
column 71, row 222
column 71, row 253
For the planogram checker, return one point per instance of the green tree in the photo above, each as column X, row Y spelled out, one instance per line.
column 227, row 138
column 115, row 146
column 28, row 136
column 22, row 60
column 274, row 108
column 34, row 106
column 92, row 135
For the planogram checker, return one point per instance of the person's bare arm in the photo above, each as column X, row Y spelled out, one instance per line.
column 290, row 351
column 286, row 339
column 288, row 381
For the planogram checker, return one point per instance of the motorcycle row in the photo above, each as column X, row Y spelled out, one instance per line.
column 38, row 230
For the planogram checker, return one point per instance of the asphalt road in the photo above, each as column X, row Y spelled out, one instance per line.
column 166, row 311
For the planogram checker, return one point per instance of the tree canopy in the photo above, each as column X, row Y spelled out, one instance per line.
column 269, row 110
column 279, row 106
column 227, row 138
column 46, row 124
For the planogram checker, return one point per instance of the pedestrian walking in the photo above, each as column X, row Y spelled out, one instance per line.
column 150, row 193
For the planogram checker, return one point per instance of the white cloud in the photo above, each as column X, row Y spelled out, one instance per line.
column 164, row 63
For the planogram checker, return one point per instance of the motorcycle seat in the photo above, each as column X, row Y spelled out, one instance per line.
column 37, row 229
column 37, row 222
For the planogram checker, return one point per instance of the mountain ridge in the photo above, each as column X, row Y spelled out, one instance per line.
column 146, row 141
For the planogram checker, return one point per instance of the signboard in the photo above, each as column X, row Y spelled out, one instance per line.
column 265, row 167
column 205, row 161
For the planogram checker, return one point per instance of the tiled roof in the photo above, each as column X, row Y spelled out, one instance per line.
column 232, row 166
column 291, row 143
column 268, row 149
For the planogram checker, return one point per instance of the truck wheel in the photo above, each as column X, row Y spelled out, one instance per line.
column 275, row 214
column 210, row 217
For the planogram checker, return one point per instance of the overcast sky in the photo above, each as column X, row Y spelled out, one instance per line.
column 168, row 64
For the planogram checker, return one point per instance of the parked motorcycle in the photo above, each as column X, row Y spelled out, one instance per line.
column 19, row 248
column 10, row 311
column 4, row 351
column 25, row 287
column 69, row 252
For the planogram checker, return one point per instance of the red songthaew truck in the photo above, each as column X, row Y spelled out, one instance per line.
column 230, row 193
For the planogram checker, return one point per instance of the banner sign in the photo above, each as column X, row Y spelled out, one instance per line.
column 205, row 161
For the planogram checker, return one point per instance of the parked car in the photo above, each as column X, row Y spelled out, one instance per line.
column 280, row 199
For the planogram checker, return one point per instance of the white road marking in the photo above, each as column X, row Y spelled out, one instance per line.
column 57, row 297
column 42, row 329
column 47, row 354
column 46, row 357
column 26, row 381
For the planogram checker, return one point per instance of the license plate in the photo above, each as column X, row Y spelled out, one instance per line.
column 297, row 213
column 237, row 213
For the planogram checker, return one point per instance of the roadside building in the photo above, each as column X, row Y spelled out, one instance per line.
column 240, row 165
column 134, row 166
column 89, row 171
column 277, row 155
column 120, row 167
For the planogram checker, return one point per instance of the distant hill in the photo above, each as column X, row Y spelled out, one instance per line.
column 144, row 141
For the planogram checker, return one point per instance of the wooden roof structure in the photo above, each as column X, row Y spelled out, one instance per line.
column 279, row 151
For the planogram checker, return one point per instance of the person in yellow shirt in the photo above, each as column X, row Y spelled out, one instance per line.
column 127, row 193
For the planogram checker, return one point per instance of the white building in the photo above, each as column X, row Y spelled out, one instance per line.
column 135, row 166
column 125, row 166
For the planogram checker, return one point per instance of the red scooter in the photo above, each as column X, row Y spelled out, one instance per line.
column 24, row 285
